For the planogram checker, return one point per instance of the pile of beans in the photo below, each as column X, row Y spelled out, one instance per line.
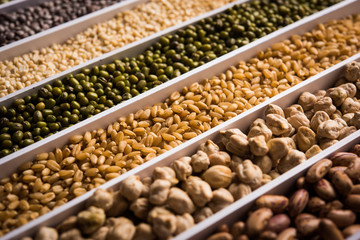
column 272, row 146
column 325, row 206
column 74, row 98
column 129, row 26
column 193, row 188
column 27, row 21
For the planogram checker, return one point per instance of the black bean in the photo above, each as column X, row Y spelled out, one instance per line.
column 31, row 20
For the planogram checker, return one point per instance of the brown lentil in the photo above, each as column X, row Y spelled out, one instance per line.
column 217, row 99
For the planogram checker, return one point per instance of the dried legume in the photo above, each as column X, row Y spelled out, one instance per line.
column 139, row 137
column 325, row 205
column 28, row 21
column 85, row 94
column 193, row 188
column 126, row 27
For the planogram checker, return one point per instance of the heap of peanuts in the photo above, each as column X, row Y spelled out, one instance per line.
column 325, row 206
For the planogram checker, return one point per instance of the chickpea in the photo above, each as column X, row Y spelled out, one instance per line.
column 100, row 234
column 233, row 131
column 250, row 174
column 143, row 232
column 258, row 145
column 278, row 148
column 278, row 125
column 235, row 161
column 264, row 163
column 146, row 181
column 164, row 225
column 274, row 109
column 237, row 144
column 309, row 114
column 202, row 214
column 240, row 190
column 352, row 72
column 199, row 191
column 222, row 198
column 156, row 212
column 326, row 142
column 209, row 147
column 292, row 159
column 67, row 224
column 220, row 158
column 259, row 121
column 307, row 101
column 305, row 138
column 200, row 161
column 91, row 219
column 320, row 94
column 325, row 104
column 337, row 94
column 180, row 202
column 46, row 233
column 329, row 129
column 165, row 173
column 350, row 106
column 131, row 187
column 123, row 230
column 141, row 207
column 350, row 89
column 347, row 118
column 317, row 119
column 183, row 223
column 182, row 169
column 120, row 205
column 289, row 111
column 159, row 191
column 298, row 119
column 260, row 129
column 71, row 234
column 346, row 131
column 312, row 151
column 355, row 120
column 218, row 176
column 101, row 199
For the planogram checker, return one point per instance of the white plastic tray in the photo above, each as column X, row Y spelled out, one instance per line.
column 323, row 80
column 64, row 31
column 161, row 92
column 61, row 32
